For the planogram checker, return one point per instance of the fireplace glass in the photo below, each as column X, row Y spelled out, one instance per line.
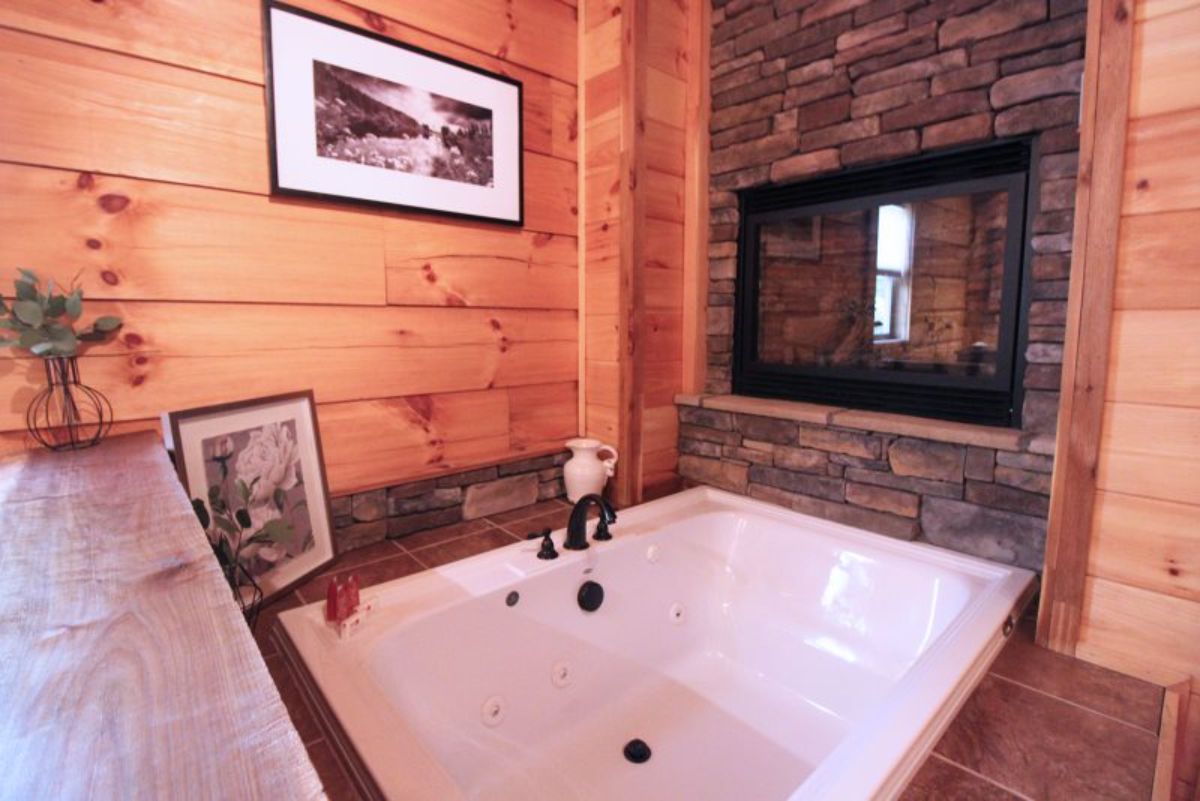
column 892, row 294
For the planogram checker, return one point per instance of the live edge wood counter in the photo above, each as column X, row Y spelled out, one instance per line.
column 126, row 671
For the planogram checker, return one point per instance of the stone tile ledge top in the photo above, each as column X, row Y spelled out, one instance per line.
column 1005, row 439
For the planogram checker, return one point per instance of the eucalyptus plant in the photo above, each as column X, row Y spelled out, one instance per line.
column 230, row 530
column 44, row 323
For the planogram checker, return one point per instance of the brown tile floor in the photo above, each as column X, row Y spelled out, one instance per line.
column 1043, row 727
column 1040, row 726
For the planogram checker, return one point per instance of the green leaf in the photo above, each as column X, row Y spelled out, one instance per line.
column 8, row 343
column 91, row 336
column 11, row 325
column 31, row 337
column 56, row 306
column 280, row 499
column 243, row 518
column 28, row 312
column 26, row 290
column 74, row 304
column 243, row 491
column 3, row 306
column 226, row 525
column 278, row 531
column 201, row 513
column 29, row 275
column 215, row 500
column 42, row 349
column 107, row 323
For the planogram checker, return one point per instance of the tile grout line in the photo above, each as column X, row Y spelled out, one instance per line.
column 1075, row 704
column 980, row 776
column 414, row 551
column 375, row 561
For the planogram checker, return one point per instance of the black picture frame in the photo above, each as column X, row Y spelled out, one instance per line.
column 281, row 187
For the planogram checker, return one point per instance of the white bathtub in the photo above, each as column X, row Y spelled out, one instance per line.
column 762, row 654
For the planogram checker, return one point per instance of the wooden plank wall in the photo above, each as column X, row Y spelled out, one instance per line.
column 133, row 151
column 1141, row 593
column 638, row 69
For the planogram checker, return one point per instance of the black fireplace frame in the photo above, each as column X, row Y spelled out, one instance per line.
column 1008, row 165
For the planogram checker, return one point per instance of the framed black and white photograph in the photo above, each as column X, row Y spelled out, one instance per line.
column 360, row 117
column 256, row 468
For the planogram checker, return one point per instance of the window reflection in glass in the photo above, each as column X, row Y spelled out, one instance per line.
column 914, row 286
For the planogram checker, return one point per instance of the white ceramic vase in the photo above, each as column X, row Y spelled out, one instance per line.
column 586, row 472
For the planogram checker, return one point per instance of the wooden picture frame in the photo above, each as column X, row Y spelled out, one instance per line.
column 264, row 455
column 354, row 116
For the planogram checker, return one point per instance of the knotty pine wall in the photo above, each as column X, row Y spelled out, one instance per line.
column 1141, row 606
column 133, row 151
column 640, row 75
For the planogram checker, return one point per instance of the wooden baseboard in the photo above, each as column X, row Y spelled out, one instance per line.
column 1170, row 739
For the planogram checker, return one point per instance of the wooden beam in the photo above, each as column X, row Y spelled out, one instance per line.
column 695, row 202
column 1170, row 739
column 1106, row 88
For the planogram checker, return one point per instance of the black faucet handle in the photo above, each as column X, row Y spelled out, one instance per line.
column 607, row 516
column 547, row 551
column 602, row 533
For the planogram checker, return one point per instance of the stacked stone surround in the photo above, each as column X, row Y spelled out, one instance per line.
column 804, row 87
column 975, row 489
column 395, row 512
column 808, row 87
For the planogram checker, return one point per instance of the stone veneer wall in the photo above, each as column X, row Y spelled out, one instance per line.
column 981, row 491
column 394, row 512
column 803, row 87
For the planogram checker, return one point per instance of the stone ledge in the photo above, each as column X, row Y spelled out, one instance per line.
column 1005, row 439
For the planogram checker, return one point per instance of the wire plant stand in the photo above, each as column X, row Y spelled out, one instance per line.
column 67, row 414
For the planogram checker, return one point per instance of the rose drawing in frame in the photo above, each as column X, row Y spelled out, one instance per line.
column 358, row 116
column 256, row 468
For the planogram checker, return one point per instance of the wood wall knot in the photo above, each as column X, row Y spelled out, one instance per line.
column 85, row 181
column 1143, row 184
column 374, row 21
column 421, row 406
column 93, row 243
column 1121, row 13
column 133, row 340
column 113, row 202
column 109, row 277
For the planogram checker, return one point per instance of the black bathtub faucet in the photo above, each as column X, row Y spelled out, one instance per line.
column 576, row 539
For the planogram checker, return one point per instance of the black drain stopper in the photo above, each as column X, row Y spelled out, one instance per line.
column 636, row 751
column 591, row 595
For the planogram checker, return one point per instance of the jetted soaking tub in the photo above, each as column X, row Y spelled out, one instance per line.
column 759, row 653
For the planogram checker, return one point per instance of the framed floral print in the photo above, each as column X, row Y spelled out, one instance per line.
column 357, row 116
column 254, row 471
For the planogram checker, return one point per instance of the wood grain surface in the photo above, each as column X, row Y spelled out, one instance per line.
column 1121, row 587
column 126, row 670
column 134, row 155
